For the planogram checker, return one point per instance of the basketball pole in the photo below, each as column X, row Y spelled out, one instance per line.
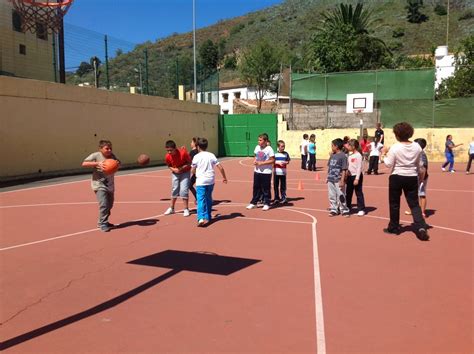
column 194, row 50
column 62, row 60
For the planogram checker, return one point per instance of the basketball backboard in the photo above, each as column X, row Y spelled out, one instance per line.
column 360, row 102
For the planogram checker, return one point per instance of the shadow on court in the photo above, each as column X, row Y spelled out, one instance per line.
column 177, row 261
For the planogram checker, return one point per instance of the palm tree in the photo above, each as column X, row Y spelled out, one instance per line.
column 358, row 18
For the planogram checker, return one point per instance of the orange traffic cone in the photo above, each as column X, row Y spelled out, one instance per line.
column 300, row 186
column 316, row 178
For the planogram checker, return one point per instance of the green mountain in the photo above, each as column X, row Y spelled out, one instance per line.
column 288, row 25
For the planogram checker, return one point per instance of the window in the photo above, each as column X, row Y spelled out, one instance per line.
column 225, row 97
column 225, row 111
column 41, row 31
column 209, row 97
column 23, row 49
column 237, row 95
column 16, row 21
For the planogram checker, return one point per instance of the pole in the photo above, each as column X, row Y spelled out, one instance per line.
column 55, row 59
column 447, row 25
column 107, row 79
column 62, row 60
column 194, row 50
column 147, row 92
column 177, row 78
column 141, row 78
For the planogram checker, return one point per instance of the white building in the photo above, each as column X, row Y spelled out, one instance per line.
column 444, row 64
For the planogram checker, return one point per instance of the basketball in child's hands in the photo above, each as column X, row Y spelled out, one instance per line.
column 110, row 166
column 143, row 160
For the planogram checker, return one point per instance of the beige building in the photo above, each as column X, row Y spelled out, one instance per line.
column 24, row 54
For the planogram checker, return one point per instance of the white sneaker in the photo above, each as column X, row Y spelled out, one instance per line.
column 186, row 212
column 266, row 207
column 452, row 171
column 169, row 211
column 251, row 206
column 443, row 169
column 200, row 222
column 361, row 213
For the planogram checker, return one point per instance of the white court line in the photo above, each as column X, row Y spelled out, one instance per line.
column 80, row 203
column 274, row 220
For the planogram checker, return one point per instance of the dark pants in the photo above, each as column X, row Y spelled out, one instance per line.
column 312, row 162
column 373, row 165
column 409, row 186
column 471, row 157
column 192, row 181
column 304, row 160
column 261, row 186
column 358, row 190
column 279, row 186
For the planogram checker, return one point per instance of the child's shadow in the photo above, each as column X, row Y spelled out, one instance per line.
column 220, row 217
column 217, row 202
column 147, row 222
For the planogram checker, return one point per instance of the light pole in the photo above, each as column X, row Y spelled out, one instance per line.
column 139, row 71
column 194, row 49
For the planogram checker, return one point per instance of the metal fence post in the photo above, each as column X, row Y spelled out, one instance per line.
column 147, row 91
column 55, row 63
column 107, row 78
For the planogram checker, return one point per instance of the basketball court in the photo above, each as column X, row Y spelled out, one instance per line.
column 287, row 280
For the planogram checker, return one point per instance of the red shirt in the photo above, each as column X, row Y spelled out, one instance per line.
column 178, row 159
column 364, row 145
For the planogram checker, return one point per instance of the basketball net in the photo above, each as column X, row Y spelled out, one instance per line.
column 42, row 15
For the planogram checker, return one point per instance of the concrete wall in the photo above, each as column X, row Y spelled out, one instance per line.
column 48, row 128
column 37, row 63
column 317, row 115
column 434, row 137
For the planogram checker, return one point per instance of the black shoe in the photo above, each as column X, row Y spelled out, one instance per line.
column 392, row 231
column 422, row 235
column 283, row 201
column 333, row 213
column 346, row 214
column 105, row 228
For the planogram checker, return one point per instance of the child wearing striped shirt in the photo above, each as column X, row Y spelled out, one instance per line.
column 356, row 177
column 282, row 159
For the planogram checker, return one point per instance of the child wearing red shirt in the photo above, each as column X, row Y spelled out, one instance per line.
column 179, row 163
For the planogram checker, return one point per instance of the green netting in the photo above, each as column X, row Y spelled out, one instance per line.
column 386, row 85
column 455, row 112
column 419, row 113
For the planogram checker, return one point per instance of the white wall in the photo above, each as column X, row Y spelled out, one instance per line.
column 245, row 94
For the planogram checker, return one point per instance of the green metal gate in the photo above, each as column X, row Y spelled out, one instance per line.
column 238, row 133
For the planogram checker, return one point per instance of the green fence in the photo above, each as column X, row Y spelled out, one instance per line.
column 238, row 133
column 399, row 95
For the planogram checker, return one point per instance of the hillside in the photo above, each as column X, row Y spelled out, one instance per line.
column 289, row 25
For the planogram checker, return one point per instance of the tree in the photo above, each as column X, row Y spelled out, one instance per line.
column 461, row 84
column 83, row 69
column 209, row 57
column 414, row 15
column 359, row 19
column 343, row 49
column 118, row 52
column 258, row 67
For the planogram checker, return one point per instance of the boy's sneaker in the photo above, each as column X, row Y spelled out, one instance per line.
column 422, row 235
column 346, row 214
column 169, row 211
column 283, row 201
column 201, row 222
column 443, row 169
column 186, row 212
column 452, row 171
column 251, row 206
column 105, row 228
column 333, row 213
column 266, row 207
column 361, row 213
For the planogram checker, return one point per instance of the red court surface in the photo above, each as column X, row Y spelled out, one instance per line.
column 287, row 280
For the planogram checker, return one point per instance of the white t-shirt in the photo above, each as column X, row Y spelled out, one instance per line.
column 471, row 147
column 204, row 163
column 375, row 151
column 404, row 159
column 304, row 143
column 264, row 155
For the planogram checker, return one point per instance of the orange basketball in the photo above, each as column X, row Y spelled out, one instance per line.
column 143, row 159
column 110, row 166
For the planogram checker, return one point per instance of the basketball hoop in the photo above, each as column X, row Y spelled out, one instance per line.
column 45, row 15
column 357, row 111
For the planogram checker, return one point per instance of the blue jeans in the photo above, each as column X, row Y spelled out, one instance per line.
column 449, row 160
column 204, row 202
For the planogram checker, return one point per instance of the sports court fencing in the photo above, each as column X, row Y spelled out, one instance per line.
column 319, row 100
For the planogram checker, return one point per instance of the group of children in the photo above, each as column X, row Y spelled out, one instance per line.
column 406, row 159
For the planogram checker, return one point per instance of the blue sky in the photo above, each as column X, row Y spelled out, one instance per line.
column 154, row 19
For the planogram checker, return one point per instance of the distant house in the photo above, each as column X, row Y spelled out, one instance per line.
column 444, row 64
